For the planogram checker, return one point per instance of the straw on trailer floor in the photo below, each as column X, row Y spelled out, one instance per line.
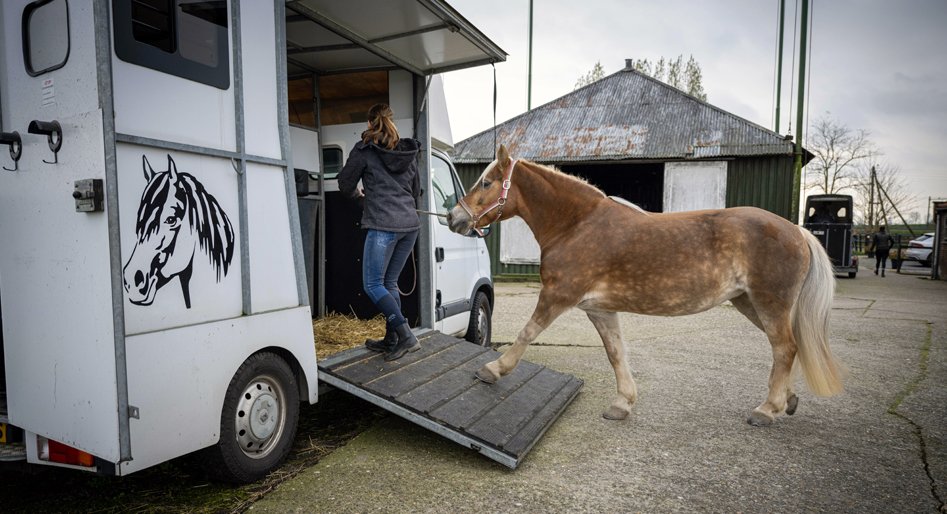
column 337, row 332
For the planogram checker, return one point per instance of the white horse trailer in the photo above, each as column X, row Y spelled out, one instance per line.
column 153, row 284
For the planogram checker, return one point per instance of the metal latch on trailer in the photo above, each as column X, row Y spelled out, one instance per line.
column 88, row 195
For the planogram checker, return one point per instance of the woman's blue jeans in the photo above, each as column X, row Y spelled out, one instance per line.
column 383, row 258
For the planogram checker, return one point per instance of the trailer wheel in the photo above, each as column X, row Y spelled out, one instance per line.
column 257, row 422
column 480, row 328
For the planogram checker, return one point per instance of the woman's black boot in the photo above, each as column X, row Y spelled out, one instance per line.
column 406, row 343
column 385, row 344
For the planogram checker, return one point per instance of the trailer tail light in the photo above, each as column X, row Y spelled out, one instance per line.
column 54, row 451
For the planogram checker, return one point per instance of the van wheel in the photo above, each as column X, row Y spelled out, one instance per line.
column 258, row 421
column 480, row 328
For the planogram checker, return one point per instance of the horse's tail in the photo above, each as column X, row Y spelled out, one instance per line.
column 811, row 322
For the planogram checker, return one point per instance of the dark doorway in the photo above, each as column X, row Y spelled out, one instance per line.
column 641, row 184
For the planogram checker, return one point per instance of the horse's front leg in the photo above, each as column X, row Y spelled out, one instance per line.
column 610, row 331
column 546, row 311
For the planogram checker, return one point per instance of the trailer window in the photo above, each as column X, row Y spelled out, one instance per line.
column 331, row 161
column 45, row 36
column 185, row 38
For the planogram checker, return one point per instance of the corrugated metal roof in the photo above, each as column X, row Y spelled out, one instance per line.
column 627, row 115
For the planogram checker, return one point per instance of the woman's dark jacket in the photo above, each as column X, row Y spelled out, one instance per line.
column 391, row 183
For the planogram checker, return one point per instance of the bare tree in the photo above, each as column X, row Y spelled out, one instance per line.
column 880, row 205
column 837, row 150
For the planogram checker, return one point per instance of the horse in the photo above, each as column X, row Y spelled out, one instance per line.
column 597, row 255
column 176, row 218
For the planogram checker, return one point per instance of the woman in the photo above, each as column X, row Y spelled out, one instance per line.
column 387, row 166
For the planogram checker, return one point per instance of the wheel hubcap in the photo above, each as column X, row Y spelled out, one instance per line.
column 260, row 417
column 482, row 326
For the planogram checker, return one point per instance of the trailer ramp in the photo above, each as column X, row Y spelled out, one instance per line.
column 435, row 388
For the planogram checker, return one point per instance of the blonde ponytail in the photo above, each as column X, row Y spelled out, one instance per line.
column 381, row 127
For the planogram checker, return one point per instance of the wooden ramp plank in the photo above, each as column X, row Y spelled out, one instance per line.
column 435, row 388
column 363, row 371
column 409, row 377
column 507, row 418
column 534, row 429
column 439, row 391
column 469, row 406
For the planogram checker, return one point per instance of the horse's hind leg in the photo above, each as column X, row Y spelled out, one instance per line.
column 547, row 310
column 745, row 306
column 781, row 398
column 610, row 330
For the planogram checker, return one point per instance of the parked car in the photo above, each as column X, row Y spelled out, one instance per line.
column 920, row 249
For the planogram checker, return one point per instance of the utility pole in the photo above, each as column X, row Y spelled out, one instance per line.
column 871, row 199
column 800, row 111
column 779, row 62
column 529, row 68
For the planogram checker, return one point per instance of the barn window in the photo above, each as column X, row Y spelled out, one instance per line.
column 185, row 38
column 45, row 36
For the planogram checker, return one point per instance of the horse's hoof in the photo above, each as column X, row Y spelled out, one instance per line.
column 791, row 404
column 758, row 419
column 484, row 375
column 615, row 413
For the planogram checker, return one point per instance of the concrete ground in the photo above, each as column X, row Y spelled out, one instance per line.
column 877, row 447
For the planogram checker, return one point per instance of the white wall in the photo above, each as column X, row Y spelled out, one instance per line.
column 691, row 186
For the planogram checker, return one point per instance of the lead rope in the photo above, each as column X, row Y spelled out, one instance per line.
column 494, row 108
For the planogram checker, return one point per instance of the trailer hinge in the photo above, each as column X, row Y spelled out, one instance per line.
column 133, row 412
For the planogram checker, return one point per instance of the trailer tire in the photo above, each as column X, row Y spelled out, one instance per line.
column 480, row 328
column 254, row 439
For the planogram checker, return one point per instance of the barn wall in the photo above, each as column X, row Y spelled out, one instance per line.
column 764, row 182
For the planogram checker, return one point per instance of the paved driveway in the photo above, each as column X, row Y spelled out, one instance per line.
column 878, row 447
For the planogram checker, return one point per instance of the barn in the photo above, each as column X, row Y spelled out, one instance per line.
column 643, row 140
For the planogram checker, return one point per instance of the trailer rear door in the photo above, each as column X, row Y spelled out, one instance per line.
column 59, row 336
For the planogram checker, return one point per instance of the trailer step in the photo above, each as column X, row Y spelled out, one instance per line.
column 435, row 388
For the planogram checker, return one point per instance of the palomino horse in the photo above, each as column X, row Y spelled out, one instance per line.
column 177, row 217
column 597, row 256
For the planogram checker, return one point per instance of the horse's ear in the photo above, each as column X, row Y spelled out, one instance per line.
column 503, row 155
column 146, row 168
column 172, row 168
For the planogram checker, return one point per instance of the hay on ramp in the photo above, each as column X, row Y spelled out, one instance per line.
column 337, row 332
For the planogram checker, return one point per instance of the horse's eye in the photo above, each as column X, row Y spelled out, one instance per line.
column 170, row 220
column 486, row 184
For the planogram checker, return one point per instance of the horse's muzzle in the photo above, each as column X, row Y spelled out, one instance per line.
column 458, row 220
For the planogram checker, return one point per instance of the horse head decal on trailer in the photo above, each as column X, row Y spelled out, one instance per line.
column 177, row 217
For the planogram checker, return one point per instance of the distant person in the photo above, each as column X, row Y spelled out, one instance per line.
column 387, row 166
column 881, row 243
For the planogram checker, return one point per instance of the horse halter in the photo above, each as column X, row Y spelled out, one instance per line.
column 498, row 204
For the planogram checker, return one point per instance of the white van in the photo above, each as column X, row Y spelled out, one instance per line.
column 157, row 288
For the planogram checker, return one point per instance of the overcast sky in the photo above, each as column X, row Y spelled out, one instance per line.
column 875, row 65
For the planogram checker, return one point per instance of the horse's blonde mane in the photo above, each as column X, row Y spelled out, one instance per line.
column 555, row 173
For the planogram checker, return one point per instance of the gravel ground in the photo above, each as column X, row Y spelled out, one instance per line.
column 877, row 447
